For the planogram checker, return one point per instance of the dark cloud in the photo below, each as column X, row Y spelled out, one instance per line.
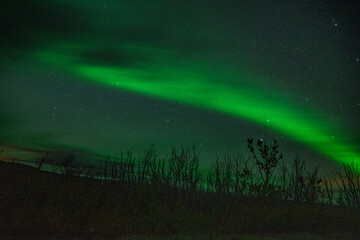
column 27, row 24
column 109, row 56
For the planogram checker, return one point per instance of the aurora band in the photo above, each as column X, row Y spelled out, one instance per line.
column 194, row 85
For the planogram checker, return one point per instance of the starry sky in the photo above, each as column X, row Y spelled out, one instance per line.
column 95, row 77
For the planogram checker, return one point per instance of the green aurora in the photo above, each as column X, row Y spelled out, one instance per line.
column 194, row 86
column 93, row 76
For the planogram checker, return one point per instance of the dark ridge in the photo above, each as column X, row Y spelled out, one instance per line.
column 150, row 198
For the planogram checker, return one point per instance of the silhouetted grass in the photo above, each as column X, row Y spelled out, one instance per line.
column 154, row 196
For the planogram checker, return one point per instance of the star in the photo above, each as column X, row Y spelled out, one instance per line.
column 240, row 75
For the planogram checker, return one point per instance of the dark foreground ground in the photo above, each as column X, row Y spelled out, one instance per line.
column 289, row 236
column 43, row 205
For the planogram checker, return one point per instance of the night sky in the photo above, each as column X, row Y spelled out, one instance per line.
column 93, row 77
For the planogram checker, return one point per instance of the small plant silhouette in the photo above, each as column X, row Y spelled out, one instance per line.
column 266, row 163
column 67, row 164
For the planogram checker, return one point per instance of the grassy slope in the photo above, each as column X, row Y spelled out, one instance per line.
column 36, row 203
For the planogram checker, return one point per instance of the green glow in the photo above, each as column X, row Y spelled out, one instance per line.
column 166, row 76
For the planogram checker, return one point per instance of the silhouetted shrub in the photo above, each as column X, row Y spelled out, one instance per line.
column 163, row 196
column 348, row 183
column 266, row 163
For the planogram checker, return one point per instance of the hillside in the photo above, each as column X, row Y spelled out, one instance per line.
column 36, row 203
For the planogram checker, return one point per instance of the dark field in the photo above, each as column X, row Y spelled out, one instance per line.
column 40, row 205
